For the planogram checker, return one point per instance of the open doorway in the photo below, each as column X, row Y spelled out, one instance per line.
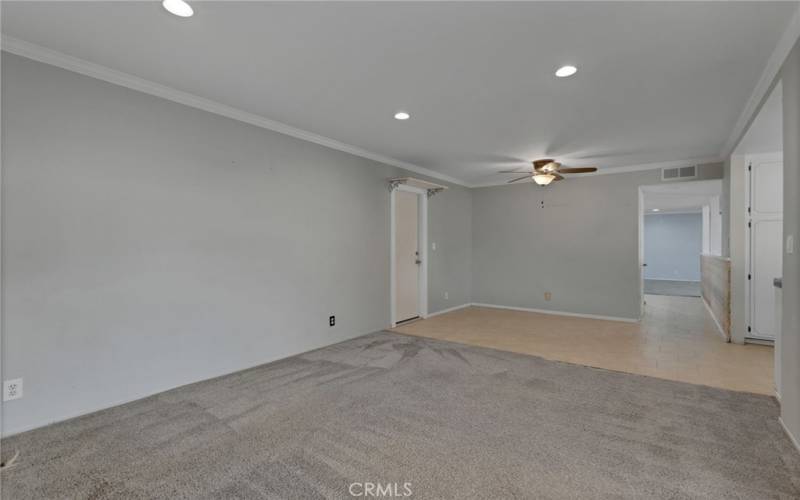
column 681, row 222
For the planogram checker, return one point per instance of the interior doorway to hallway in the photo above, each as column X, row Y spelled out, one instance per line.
column 681, row 222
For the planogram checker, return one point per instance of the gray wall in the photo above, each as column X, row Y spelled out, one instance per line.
column 582, row 245
column 147, row 245
column 672, row 246
column 450, row 227
column 790, row 349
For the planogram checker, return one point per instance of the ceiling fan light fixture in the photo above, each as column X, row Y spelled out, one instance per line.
column 543, row 179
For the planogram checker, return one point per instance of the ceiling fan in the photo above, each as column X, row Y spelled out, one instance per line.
column 546, row 171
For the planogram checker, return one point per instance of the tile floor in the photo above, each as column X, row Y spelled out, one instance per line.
column 676, row 340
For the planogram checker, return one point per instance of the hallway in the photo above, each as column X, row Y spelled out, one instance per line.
column 676, row 340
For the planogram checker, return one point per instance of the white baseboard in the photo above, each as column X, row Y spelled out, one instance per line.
column 449, row 309
column 791, row 437
column 716, row 321
column 558, row 313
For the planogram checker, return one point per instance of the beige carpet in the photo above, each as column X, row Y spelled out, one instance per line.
column 454, row 421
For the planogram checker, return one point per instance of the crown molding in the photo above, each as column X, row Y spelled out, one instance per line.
column 77, row 65
column 623, row 170
column 765, row 84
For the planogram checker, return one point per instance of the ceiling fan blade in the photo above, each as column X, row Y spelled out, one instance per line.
column 578, row 170
column 514, row 171
column 519, row 179
column 557, row 177
column 541, row 163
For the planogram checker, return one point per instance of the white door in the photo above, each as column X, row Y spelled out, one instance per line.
column 407, row 258
column 765, row 245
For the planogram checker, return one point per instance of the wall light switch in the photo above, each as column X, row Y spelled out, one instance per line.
column 446, row 295
column 790, row 244
column 433, row 246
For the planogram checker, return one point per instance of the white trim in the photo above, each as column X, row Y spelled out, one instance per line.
column 697, row 162
column 450, row 309
column 640, row 250
column 392, row 257
column 765, row 84
column 558, row 313
column 716, row 322
column 422, row 242
column 64, row 61
column 791, row 437
column 2, row 280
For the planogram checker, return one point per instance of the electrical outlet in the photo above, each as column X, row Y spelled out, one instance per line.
column 332, row 321
column 12, row 389
column 446, row 295
column 547, row 296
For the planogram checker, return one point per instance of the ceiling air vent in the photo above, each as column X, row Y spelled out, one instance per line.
column 679, row 173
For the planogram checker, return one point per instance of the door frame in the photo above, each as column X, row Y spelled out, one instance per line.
column 422, row 228
column 640, row 243
column 748, row 262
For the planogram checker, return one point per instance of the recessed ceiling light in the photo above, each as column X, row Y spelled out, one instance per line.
column 401, row 115
column 656, row 210
column 565, row 71
column 178, row 7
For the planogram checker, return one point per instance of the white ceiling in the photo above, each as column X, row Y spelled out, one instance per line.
column 657, row 81
column 765, row 134
column 681, row 196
